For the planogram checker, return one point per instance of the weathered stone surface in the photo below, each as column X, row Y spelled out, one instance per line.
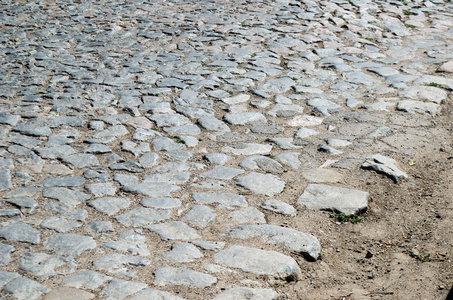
column 259, row 262
column 25, row 289
column 147, row 294
column 227, row 200
column 59, row 224
column 261, row 184
column 200, row 216
column 385, row 165
column 279, row 207
column 110, row 205
column 66, row 196
column 246, row 293
column 45, row 266
column 120, row 289
column 5, row 180
column 173, row 230
column 181, row 252
column 178, row 276
column 69, row 244
column 68, row 294
column 320, row 196
column 245, row 118
column 5, row 251
column 143, row 216
column 88, row 280
column 262, row 162
column 20, row 232
column 248, row 149
column 247, row 215
column 120, row 264
column 220, row 172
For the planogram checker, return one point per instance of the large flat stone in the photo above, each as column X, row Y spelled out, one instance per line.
column 347, row 201
column 259, row 262
column 178, row 276
column 263, row 184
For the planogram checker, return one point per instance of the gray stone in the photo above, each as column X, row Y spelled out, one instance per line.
column 25, row 289
column 322, row 175
column 181, row 253
column 5, row 251
column 66, row 211
column 149, row 160
column 129, row 166
column 81, row 160
column 261, row 162
column 173, row 230
column 287, row 143
column 209, row 245
column 247, row 215
column 161, row 203
column 248, row 149
column 33, row 130
column 267, row 129
column 300, row 242
column 278, row 207
column 110, row 205
column 89, row 280
column 68, row 294
column 213, row 124
column 226, row 200
column 56, row 151
column 147, row 294
column 130, row 243
column 246, row 293
column 6, row 277
column 95, row 227
column 138, row 216
column 259, row 262
column 217, row 158
column 261, row 184
column 66, row 196
column 166, row 144
column 69, row 244
column 170, row 120
column 412, row 106
column 221, row 172
column 20, row 232
column 64, row 181
column 101, row 189
column 320, row 196
column 329, row 150
column 5, row 180
column 385, row 165
column 120, row 289
column 9, row 119
column 200, row 216
column 142, row 134
column 45, row 266
column 170, row 178
column 178, row 276
column 135, row 149
column 26, row 204
column 59, row 224
column 303, row 133
column 120, row 264
column 338, row 143
column 290, row 159
column 112, row 131
column 245, row 118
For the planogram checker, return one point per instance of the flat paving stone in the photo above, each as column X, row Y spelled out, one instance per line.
column 248, row 149
column 246, row 293
column 262, row 184
column 25, row 289
column 20, row 232
column 5, row 251
column 178, row 276
column 66, row 196
column 200, row 216
column 120, row 264
column 300, row 242
column 120, row 289
column 279, row 207
column 260, row 262
column 129, row 242
column 173, row 230
column 110, row 205
column 154, row 294
column 89, row 280
column 5, row 180
column 227, row 200
column 385, row 165
column 69, row 244
column 138, row 216
column 68, row 294
column 320, row 196
column 181, row 253
column 45, row 266
column 221, row 172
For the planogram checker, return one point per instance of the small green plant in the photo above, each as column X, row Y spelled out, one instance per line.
column 271, row 156
column 404, row 3
column 200, row 139
column 178, row 140
column 366, row 38
column 409, row 26
column 229, row 92
column 155, row 129
column 384, row 36
column 433, row 84
column 424, row 257
column 342, row 217
column 407, row 13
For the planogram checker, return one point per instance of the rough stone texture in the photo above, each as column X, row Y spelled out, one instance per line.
column 68, row 293
column 261, row 184
column 259, row 262
column 246, row 293
column 20, row 232
column 320, row 196
column 25, row 289
column 177, row 276
column 385, row 165
column 174, row 230
column 69, row 244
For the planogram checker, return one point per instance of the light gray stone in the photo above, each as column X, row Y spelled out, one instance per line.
column 120, row 264
column 149, row 160
column 69, row 244
column 81, row 160
column 181, row 253
column 259, row 262
column 95, row 227
column 248, row 149
column 209, row 245
column 118, row 289
column 227, row 200
column 213, row 124
column 45, row 266
column 261, row 162
column 246, row 293
column 5, row 251
column 66, row 196
column 279, row 207
column 6, row 277
column 169, row 178
column 63, row 181
column 385, row 165
column 412, row 106
column 217, row 158
column 245, row 118
column 148, row 294
column 110, row 205
column 178, row 276
column 25, row 289
column 5, row 180
column 26, row 204
column 161, row 203
column 173, row 230
column 247, row 215
column 59, row 224
column 129, row 242
column 261, row 184
column 221, row 172
column 200, row 216
column 89, row 280
column 20, row 232
column 300, row 242
column 138, row 216
column 320, row 196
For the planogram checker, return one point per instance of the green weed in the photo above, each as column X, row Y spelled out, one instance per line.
column 342, row 217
